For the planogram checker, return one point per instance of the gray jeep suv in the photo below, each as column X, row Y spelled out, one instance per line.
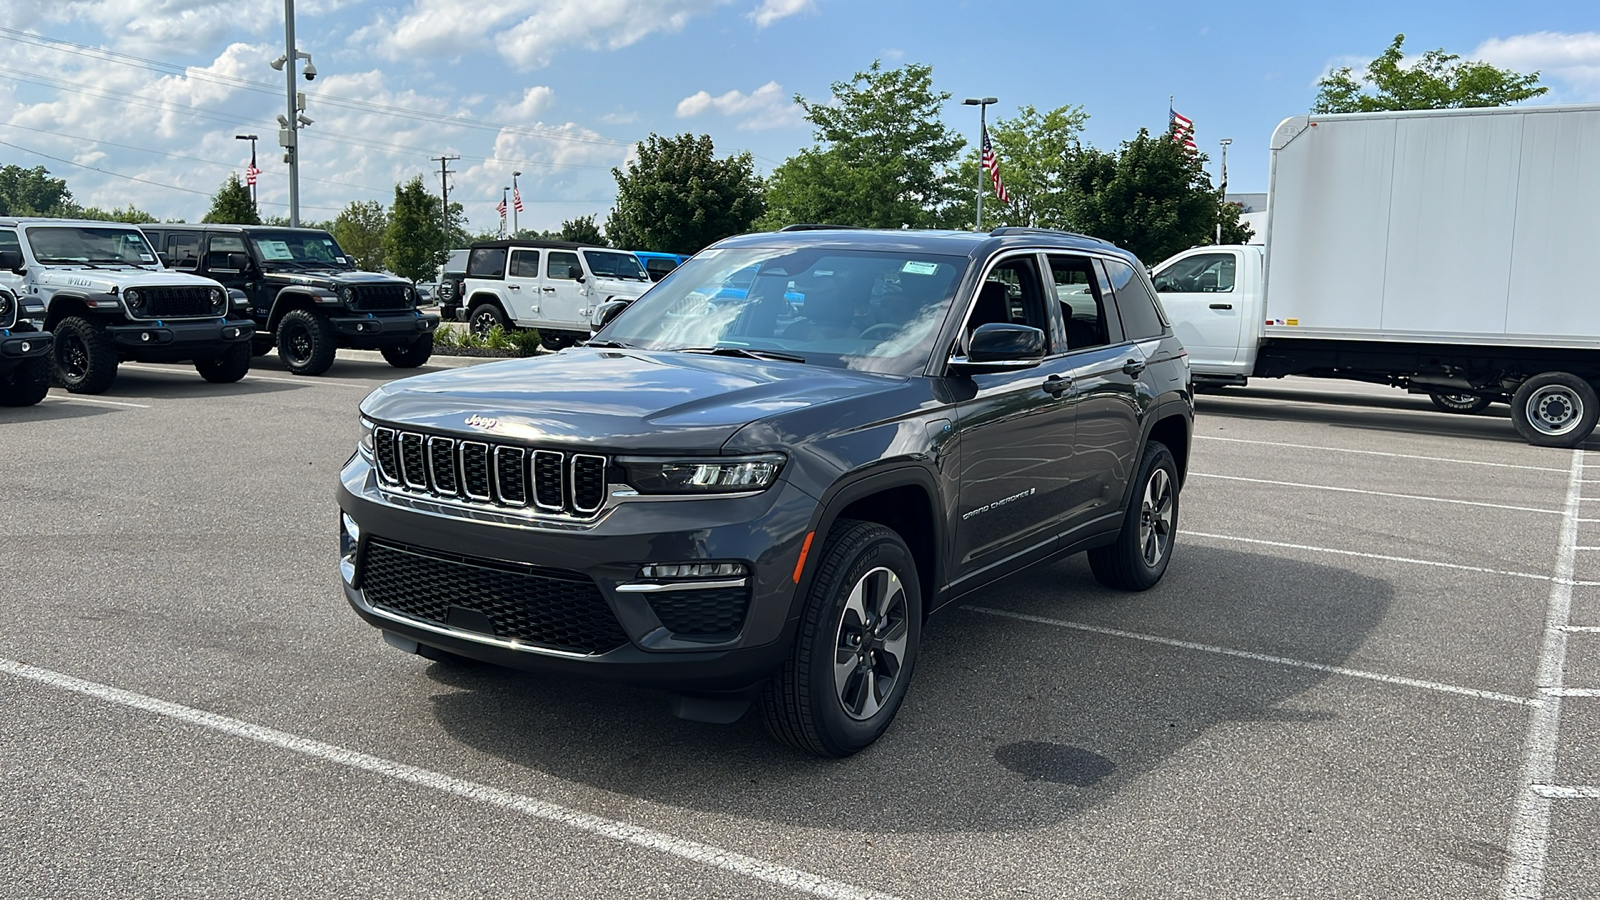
column 761, row 492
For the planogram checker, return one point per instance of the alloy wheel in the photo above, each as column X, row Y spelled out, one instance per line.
column 870, row 646
column 1155, row 518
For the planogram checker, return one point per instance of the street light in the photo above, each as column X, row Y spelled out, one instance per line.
column 250, row 176
column 288, row 133
column 983, row 129
column 1224, row 142
column 516, row 201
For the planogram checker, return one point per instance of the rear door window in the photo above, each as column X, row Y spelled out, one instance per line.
column 183, row 250
column 1136, row 303
column 524, row 264
column 1081, row 302
column 487, row 262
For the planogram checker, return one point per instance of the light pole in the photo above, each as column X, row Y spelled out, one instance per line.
column 983, row 131
column 516, row 202
column 251, row 176
column 1225, row 142
column 289, row 125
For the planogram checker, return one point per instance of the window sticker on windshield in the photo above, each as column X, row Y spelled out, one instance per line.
column 912, row 267
column 339, row 260
column 145, row 257
column 707, row 254
column 275, row 250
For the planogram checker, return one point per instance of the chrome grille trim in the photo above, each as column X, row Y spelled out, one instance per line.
column 587, row 460
column 547, row 461
column 387, row 454
column 515, row 458
column 470, row 450
column 449, row 483
column 412, row 443
column 486, row 474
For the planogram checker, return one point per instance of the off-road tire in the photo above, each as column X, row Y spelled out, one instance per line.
column 1538, row 405
column 27, row 384
column 485, row 316
column 306, row 342
column 230, row 366
column 411, row 355
column 1462, row 404
column 555, row 342
column 801, row 704
column 1126, row 564
column 84, row 360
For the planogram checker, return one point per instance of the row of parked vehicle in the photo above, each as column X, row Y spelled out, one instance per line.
column 77, row 298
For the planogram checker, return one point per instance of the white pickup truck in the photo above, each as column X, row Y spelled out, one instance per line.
column 553, row 286
column 1436, row 251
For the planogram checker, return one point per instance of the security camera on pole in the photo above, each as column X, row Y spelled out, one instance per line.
column 290, row 125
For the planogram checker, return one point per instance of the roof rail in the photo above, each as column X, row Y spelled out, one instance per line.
column 803, row 227
column 1022, row 229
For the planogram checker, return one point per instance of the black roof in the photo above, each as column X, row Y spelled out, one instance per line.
column 209, row 226
column 538, row 244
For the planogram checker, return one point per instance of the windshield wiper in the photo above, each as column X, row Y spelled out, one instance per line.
column 744, row 353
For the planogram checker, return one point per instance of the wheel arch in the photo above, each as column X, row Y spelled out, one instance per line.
column 902, row 499
column 481, row 297
column 287, row 301
column 62, row 306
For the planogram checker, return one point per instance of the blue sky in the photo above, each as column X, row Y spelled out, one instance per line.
column 561, row 89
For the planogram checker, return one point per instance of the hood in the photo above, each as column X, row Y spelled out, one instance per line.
column 330, row 277
column 621, row 288
column 103, row 279
column 617, row 400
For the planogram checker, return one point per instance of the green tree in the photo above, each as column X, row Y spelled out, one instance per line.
column 1038, row 153
column 1439, row 80
column 360, row 229
column 1152, row 197
column 581, row 230
column 232, row 204
column 1233, row 230
column 677, row 197
column 32, row 192
column 129, row 214
column 883, row 157
column 413, row 245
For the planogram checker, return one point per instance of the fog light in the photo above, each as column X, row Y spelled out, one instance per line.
column 26, row 346
column 693, row 570
column 145, row 337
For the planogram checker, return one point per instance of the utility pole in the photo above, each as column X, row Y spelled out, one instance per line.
column 1225, row 142
column 289, row 125
column 444, row 195
column 983, row 130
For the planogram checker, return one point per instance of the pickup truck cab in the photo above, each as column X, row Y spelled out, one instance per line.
column 1213, row 295
column 553, row 286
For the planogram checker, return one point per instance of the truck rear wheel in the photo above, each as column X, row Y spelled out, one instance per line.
column 1555, row 409
column 1466, row 404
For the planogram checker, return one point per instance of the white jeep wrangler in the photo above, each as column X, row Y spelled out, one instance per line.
column 553, row 286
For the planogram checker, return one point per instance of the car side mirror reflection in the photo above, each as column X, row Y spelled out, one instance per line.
column 997, row 346
column 605, row 312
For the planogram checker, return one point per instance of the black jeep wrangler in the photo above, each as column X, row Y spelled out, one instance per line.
column 758, row 480
column 305, row 294
column 24, row 352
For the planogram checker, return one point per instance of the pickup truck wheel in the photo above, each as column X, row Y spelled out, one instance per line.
column 25, row 385
column 306, row 343
column 483, row 317
column 232, row 365
column 852, row 659
column 554, row 341
column 1143, row 548
column 84, row 359
column 1553, row 409
column 1466, row 404
column 411, row 355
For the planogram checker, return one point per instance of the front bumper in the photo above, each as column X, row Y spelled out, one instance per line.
column 188, row 335
column 369, row 331
column 763, row 531
column 17, row 346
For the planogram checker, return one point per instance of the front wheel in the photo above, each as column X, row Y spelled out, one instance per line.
column 1139, row 557
column 847, row 673
column 1465, row 404
column 411, row 355
column 306, row 342
column 1555, row 409
column 26, row 384
column 85, row 360
column 230, row 366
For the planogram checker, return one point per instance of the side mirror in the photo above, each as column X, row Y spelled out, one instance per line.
column 10, row 260
column 605, row 312
column 577, row 274
column 239, row 262
column 998, row 346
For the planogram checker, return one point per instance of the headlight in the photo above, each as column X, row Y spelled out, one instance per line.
column 707, row 475
column 6, row 306
column 346, row 294
column 366, row 436
column 133, row 299
column 219, row 299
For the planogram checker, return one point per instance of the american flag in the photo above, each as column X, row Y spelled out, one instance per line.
column 501, row 207
column 1182, row 130
column 991, row 164
column 251, row 173
column 516, row 199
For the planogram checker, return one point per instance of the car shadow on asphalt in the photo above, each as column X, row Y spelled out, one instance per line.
column 53, row 408
column 1008, row 725
column 1490, row 426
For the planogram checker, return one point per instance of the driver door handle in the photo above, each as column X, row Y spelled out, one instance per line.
column 514, row 287
column 548, row 290
column 1133, row 367
column 1055, row 385
column 1222, row 306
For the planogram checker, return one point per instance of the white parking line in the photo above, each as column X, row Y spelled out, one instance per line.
column 1378, row 556
column 1587, row 629
column 1442, row 459
column 1570, row 692
column 251, row 376
column 649, row 839
column 1568, row 791
column 1261, row 657
column 1345, row 490
column 97, row 400
column 1528, row 841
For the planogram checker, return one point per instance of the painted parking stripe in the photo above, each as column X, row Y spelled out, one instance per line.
column 1529, row 837
column 1439, row 459
column 97, row 400
column 646, row 838
column 1568, row 791
column 1261, row 657
column 1377, row 556
column 250, row 376
column 1345, row 490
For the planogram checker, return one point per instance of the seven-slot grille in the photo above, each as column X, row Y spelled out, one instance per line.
column 177, row 302
column 378, row 297
column 501, row 475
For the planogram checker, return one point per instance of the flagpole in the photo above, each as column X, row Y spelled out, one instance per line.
column 983, row 132
column 516, row 206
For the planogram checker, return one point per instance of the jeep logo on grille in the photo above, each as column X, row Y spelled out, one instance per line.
column 477, row 421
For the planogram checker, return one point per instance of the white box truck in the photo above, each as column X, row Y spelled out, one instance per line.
column 1441, row 251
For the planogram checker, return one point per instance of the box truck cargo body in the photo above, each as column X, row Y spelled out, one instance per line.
column 1442, row 251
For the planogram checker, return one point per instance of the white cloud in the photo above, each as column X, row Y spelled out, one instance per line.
column 156, row 27
column 767, row 106
column 527, row 33
column 1570, row 60
column 772, row 10
column 534, row 100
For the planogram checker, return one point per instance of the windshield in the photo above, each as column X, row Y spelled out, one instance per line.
column 288, row 248
column 88, row 244
column 615, row 265
column 874, row 311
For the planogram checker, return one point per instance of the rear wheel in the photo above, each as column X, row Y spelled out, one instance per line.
column 26, row 384
column 1139, row 557
column 230, row 366
column 1555, row 409
column 306, row 343
column 411, row 355
column 85, row 361
column 483, row 317
column 852, row 660
column 1466, row 404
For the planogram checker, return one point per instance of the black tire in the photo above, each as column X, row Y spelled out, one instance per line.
column 306, row 342
column 232, row 365
column 411, row 355
column 485, row 316
column 1465, row 404
column 1553, row 409
column 555, row 342
column 84, row 360
column 1139, row 557
column 864, row 569
column 26, row 384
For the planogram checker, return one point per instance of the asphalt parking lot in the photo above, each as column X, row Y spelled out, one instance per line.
column 1373, row 670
